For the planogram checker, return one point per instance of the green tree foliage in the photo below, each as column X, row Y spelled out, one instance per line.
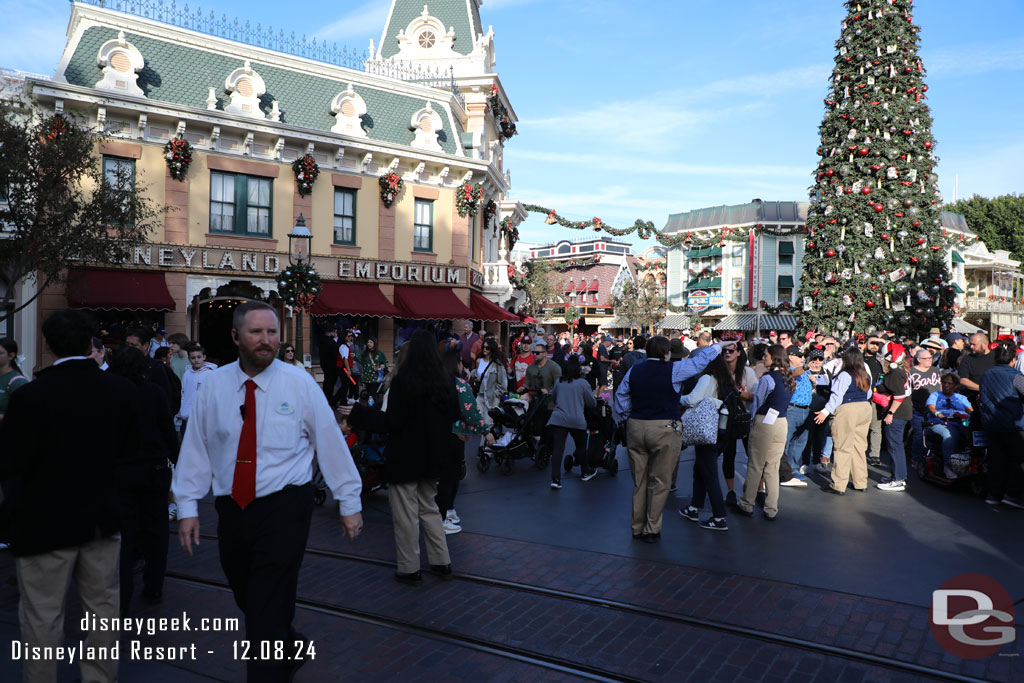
column 875, row 256
column 540, row 284
column 999, row 222
column 56, row 206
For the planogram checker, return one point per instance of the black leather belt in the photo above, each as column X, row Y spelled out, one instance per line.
column 796, row 406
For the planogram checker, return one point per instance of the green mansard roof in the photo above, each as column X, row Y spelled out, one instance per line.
column 461, row 15
column 181, row 74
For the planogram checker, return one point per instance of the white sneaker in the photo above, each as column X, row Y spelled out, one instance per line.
column 453, row 517
column 895, row 485
column 795, row 481
column 450, row 527
column 172, row 512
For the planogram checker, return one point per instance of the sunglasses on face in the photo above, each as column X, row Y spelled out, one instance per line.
column 538, row 353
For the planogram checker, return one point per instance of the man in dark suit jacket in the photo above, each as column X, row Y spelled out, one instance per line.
column 62, row 435
column 159, row 374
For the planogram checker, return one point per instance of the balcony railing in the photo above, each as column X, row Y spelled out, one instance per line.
column 168, row 12
column 984, row 304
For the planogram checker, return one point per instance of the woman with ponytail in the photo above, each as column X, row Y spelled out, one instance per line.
column 850, row 402
column 768, row 432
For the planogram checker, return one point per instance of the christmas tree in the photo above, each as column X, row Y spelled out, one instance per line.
column 876, row 250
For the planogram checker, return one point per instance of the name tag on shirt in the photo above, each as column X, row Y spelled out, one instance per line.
column 769, row 417
column 285, row 409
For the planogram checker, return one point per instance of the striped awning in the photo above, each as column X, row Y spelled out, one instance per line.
column 748, row 322
column 964, row 327
column 675, row 321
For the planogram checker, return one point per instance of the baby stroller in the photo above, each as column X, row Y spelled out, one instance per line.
column 967, row 462
column 368, row 455
column 518, row 424
column 601, row 439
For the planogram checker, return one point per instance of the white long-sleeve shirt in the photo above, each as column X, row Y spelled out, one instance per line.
column 293, row 421
column 190, row 382
column 682, row 370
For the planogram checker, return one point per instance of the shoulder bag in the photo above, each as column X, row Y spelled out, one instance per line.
column 700, row 424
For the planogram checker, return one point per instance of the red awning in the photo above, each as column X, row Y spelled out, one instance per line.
column 430, row 303
column 485, row 309
column 523, row 318
column 351, row 298
column 118, row 290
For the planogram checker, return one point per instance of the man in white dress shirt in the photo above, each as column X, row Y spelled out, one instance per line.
column 256, row 424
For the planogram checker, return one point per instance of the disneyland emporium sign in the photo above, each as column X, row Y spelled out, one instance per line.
column 257, row 263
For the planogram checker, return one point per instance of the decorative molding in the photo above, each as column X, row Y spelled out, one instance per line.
column 420, row 192
column 121, row 62
column 442, row 175
column 240, row 242
column 426, row 124
column 246, row 88
column 142, row 126
column 349, row 108
column 366, row 162
column 216, row 162
column 352, row 182
column 127, row 150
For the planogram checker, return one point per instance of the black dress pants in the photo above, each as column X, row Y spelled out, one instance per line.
column 330, row 379
column 559, row 435
column 144, row 527
column 448, row 478
column 261, row 550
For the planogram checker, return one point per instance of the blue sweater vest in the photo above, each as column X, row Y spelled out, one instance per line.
column 779, row 398
column 652, row 393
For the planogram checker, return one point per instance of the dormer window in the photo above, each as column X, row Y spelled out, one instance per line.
column 427, row 40
column 121, row 63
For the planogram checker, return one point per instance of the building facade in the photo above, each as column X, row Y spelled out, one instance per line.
column 425, row 104
column 741, row 269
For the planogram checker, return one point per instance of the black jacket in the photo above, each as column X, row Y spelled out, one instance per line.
column 419, row 432
column 60, row 441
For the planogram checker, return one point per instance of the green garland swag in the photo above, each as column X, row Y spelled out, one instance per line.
column 390, row 185
column 306, row 171
column 467, row 199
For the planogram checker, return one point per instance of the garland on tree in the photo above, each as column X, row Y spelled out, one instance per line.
column 467, row 199
column 501, row 116
column 306, row 171
column 875, row 256
column 390, row 185
column 299, row 285
column 178, row 153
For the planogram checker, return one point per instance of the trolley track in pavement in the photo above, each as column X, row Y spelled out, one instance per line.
column 848, row 654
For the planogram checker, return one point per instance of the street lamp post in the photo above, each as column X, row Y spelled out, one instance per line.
column 299, row 242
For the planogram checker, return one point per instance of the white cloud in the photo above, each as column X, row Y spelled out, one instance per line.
column 974, row 59
column 624, row 164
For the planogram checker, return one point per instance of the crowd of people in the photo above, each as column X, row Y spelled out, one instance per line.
column 98, row 444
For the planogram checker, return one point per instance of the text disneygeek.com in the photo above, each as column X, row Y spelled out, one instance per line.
column 131, row 648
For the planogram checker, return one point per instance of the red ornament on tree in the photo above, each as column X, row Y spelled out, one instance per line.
column 863, row 151
column 884, row 236
column 869, row 304
column 927, row 144
column 866, row 189
column 920, row 240
column 830, row 253
column 879, row 208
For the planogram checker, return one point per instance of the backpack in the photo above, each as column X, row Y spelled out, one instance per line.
column 738, row 423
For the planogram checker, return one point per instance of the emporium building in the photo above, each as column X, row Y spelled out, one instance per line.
column 424, row 103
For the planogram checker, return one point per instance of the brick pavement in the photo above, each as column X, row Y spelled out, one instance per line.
column 884, row 628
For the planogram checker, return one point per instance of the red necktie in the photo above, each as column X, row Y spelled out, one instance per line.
column 243, row 487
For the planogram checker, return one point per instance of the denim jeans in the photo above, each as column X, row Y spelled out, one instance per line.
column 894, row 447
column 917, row 447
column 796, row 438
column 705, row 479
column 952, row 435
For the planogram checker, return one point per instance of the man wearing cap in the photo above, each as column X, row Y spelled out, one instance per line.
column 159, row 339
column 604, row 359
column 522, row 362
column 936, row 334
column 951, row 358
column 797, row 420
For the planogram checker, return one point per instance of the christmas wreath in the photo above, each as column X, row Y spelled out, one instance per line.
column 299, row 285
column 306, row 172
column 178, row 153
column 509, row 232
column 467, row 199
column 489, row 212
column 390, row 186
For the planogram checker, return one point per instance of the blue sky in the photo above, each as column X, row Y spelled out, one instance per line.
column 641, row 109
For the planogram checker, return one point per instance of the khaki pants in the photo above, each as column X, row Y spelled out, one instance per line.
column 413, row 504
column 767, row 446
column 654, row 447
column 850, row 436
column 43, row 583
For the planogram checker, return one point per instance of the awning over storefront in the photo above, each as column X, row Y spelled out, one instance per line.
column 786, row 282
column 526, row 319
column 354, row 298
column 957, row 288
column 485, row 309
column 964, row 327
column 675, row 321
column 118, row 290
column 430, row 303
column 786, row 249
column 957, row 258
column 748, row 322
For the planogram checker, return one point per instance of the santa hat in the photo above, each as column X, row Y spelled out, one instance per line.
column 896, row 352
